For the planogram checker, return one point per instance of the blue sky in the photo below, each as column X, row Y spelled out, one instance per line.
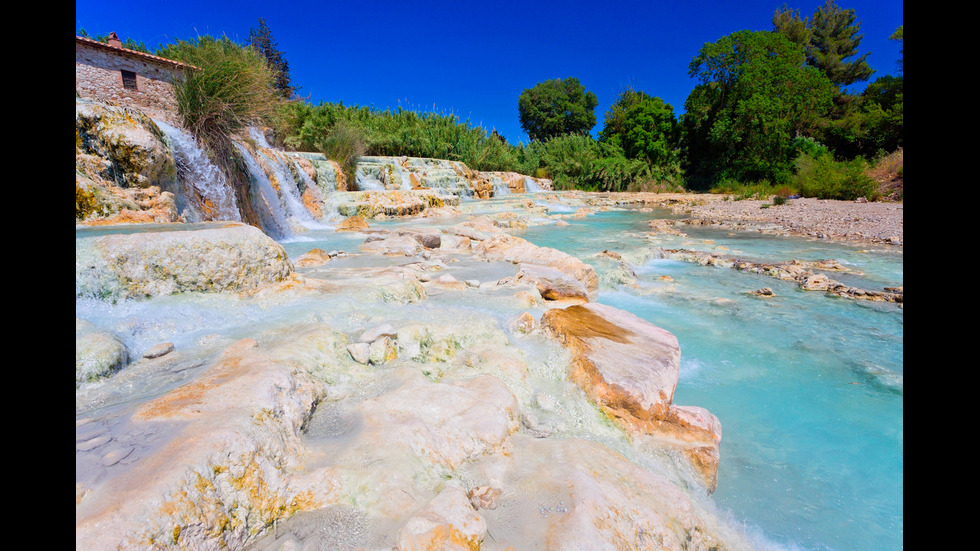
column 473, row 59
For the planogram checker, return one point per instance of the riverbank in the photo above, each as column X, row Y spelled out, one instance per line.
column 847, row 221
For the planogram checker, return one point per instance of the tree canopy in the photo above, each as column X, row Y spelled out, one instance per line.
column 755, row 96
column 261, row 39
column 557, row 107
column 829, row 38
column 643, row 126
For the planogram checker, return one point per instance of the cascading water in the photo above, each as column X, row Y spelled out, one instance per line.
column 531, row 186
column 272, row 215
column 204, row 193
column 499, row 187
column 289, row 190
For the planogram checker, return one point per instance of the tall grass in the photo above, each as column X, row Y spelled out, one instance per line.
column 231, row 89
column 399, row 132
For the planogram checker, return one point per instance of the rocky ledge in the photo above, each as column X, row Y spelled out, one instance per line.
column 389, row 427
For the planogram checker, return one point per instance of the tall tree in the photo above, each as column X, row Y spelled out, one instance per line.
column 788, row 23
column 830, row 38
column 755, row 96
column 557, row 107
column 643, row 126
column 261, row 39
column 899, row 36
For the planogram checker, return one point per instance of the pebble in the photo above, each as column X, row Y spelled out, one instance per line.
column 115, row 456
column 158, row 350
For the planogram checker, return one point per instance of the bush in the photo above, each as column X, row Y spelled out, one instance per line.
column 231, row 90
column 822, row 177
column 345, row 144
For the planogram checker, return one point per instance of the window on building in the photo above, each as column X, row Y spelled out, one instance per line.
column 129, row 79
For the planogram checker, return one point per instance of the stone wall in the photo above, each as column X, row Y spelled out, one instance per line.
column 98, row 76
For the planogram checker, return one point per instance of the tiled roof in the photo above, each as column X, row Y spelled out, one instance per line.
column 126, row 51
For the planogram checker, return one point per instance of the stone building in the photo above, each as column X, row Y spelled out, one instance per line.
column 113, row 74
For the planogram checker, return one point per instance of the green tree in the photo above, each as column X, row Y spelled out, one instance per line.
column 643, row 126
column 755, row 96
column 555, row 108
column 261, row 39
column 830, row 38
column 899, row 36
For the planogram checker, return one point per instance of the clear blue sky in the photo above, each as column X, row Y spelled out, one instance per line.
column 474, row 59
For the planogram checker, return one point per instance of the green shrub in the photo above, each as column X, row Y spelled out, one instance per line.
column 778, row 200
column 345, row 144
column 231, row 89
column 822, row 177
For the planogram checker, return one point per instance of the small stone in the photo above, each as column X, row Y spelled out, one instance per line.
column 360, row 352
column 158, row 350
column 472, row 283
column 353, row 223
column 115, row 456
column 524, row 323
column 375, row 333
column 764, row 292
column 382, row 351
column 484, row 497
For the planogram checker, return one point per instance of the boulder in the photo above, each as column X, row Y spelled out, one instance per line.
column 553, row 284
column 352, row 223
column 629, row 368
column 448, row 522
column 517, row 250
column 221, row 257
column 98, row 354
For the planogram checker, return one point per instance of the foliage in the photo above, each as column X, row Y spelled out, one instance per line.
column 581, row 162
column 899, row 35
column 344, row 143
column 231, row 90
column 755, row 96
column 557, row 107
column 643, row 126
column 829, row 38
column 822, row 177
column 870, row 122
column 398, row 132
column 751, row 190
column 262, row 41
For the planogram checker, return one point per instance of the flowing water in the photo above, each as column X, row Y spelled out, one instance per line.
column 808, row 387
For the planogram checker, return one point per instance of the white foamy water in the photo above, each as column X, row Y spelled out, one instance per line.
column 201, row 177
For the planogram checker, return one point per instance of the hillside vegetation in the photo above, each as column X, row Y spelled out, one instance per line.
column 771, row 114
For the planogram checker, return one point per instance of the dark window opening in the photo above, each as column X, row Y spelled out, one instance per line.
column 129, row 79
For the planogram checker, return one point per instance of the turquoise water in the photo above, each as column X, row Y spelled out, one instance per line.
column 808, row 387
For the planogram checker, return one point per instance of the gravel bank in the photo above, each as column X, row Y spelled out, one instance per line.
column 825, row 219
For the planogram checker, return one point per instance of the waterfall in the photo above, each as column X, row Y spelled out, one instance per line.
column 272, row 215
column 531, row 186
column 499, row 187
column 289, row 189
column 203, row 193
column 366, row 182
